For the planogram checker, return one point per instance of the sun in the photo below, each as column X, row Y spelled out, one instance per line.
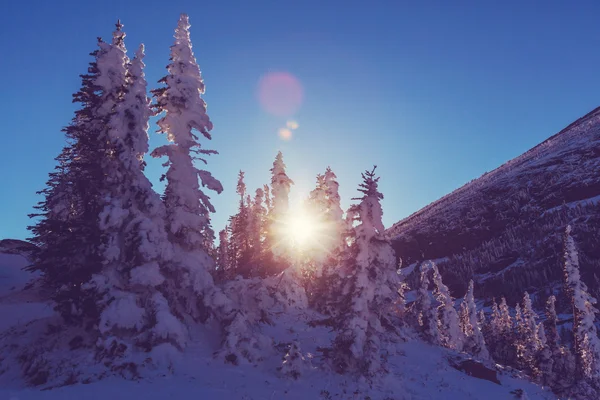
column 305, row 232
column 301, row 228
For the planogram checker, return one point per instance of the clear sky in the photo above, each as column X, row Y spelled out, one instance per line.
column 434, row 93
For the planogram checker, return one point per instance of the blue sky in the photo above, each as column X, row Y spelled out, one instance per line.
column 434, row 93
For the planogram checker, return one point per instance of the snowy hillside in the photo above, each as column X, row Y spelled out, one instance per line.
column 20, row 301
column 504, row 229
column 417, row 370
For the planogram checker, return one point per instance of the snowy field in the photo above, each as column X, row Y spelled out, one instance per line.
column 416, row 370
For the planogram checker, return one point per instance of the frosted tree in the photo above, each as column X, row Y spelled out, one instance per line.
column 504, row 349
column 256, row 231
column 484, row 325
column 427, row 316
column 268, row 204
column 317, row 198
column 586, row 341
column 527, row 342
column 240, row 226
column 280, row 184
column 451, row 334
column 562, row 370
column 66, row 233
column 474, row 340
column 280, row 190
column 334, row 224
column 543, row 358
column 368, row 295
column 184, row 117
column 492, row 337
column 188, row 206
column 322, row 255
column 223, row 262
column 294, row 364
column 334, row 209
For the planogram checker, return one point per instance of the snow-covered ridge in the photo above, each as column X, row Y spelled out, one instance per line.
column 578, row 127
column 515, row 213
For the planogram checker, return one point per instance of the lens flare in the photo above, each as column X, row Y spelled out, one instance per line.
column 285, row 134
column 280, row 93
column 293, row 125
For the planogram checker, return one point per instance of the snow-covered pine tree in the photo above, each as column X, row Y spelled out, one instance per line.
column 552, row 336
column 334, row 209
column 426, row 313
column 240, row 225
column 188, row 207
column 474, row 340
column 317, row 198
column 268, row 203
column 366, row 300
column 527, row 342
column 294, row 364
column 451, row 334
column 66, row 233
column 223, row 264
column 563, row 362
column 543, row 358
column 257, row 223
column 492, row 337
column 505, row 349
column 280, row 189
column 586, row 341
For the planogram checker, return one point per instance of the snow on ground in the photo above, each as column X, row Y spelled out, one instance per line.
column 18, row 306
column 12, row 276
column 416, row 370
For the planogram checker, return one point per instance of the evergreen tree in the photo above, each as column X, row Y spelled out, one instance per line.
column 240, row 225
column 317, row 198
column 368, row 295
column 427, row 316
column 223, row 254
column 474, row 340
column 66, row 233
column 563, row 362
column 256, row 232
column 505, row 349
column 334, row 209
column 451, row 334
column 586, row 341
column 552, row 336
column 188, row 207
column 268, row 203
column 527, row 342
column 294, row 364
column 544, row 360
column 280, row 189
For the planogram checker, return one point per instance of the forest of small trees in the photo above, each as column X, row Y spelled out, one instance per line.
column 131, row 270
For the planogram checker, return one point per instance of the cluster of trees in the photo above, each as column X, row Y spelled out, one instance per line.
column 258, row 239
column 517, row 339
column 132, row 268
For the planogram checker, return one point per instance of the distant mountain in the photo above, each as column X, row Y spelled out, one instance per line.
column 505, row 228
column 14, row 246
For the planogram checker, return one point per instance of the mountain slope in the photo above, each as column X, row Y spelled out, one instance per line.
column 504, row 229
